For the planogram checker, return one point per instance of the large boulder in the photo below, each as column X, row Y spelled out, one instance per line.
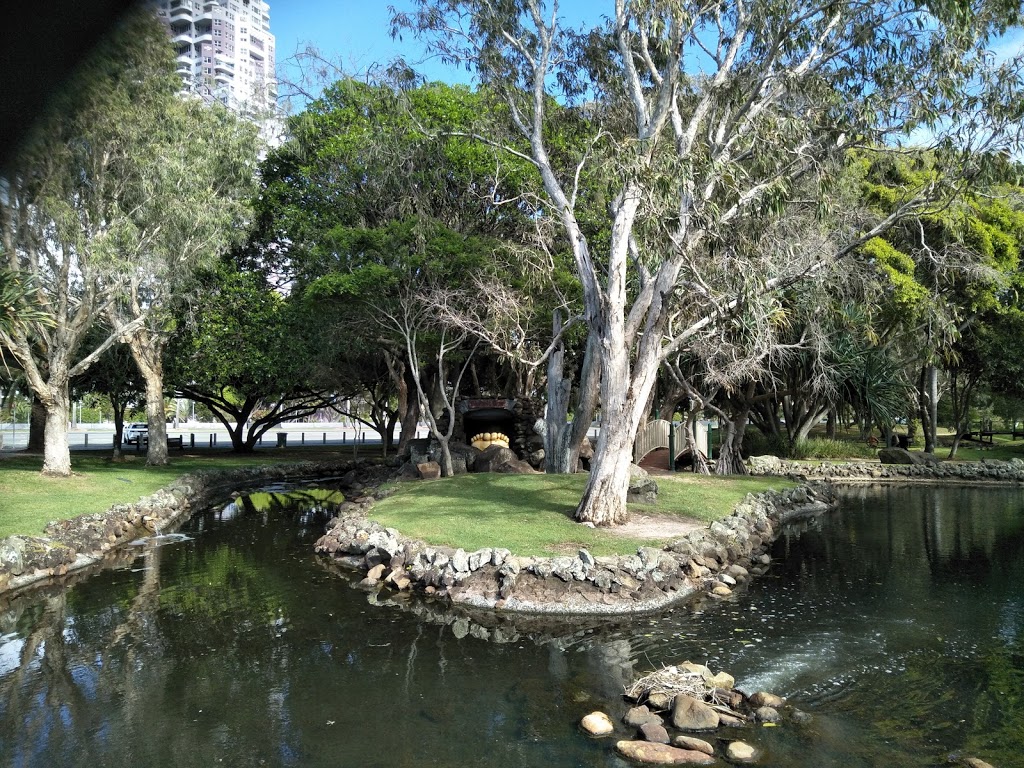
column 463, row 457
column 690, row 714
column 516, row 467
column 493, row 457
column 897, row 456
column 642, row 488
column 764, row 465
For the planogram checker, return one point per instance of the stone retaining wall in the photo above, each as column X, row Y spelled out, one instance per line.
column 985, row 471
column 711, row 559
column 87, row 540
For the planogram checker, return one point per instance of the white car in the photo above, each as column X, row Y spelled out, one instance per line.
column 136, row 432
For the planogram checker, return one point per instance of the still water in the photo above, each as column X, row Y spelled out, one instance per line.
column 895, row 622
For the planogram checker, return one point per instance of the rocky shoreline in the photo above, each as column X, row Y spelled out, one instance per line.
column 86, row 542
column 711, row 560
column 983, row 472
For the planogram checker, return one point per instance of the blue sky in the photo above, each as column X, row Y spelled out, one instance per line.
column 356, row 33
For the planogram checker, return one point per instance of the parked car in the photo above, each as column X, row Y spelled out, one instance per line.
column 136, row 432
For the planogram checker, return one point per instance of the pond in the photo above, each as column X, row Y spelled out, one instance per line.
column 895, row 622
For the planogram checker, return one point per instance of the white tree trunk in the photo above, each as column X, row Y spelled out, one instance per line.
column 604, row 498
column 56, row 450
column 147, row 352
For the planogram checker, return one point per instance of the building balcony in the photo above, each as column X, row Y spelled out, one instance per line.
column 182, row 38
column 181, row 14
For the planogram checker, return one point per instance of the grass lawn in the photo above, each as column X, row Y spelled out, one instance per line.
column 532, row 514
column 28, row 501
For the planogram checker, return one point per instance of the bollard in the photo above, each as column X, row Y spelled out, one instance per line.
column 191, row 439
column 86, row 439
column 325, row 438
column 211, row 441
column 362, row 437
column 302, row 438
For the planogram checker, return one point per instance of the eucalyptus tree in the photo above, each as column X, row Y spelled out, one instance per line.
column 61, row 212
column 703, row 115
column 194, row 172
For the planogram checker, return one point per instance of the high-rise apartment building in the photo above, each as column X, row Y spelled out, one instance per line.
column 225, row 50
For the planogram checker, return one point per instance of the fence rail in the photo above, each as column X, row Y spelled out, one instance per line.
column 663, row 434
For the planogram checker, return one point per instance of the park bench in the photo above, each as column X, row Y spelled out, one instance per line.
column 172, row 442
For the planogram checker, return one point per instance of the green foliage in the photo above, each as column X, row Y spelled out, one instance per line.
column 899, row 267
column 824, row 448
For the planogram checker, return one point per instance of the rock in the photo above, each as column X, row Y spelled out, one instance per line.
column 661, row 754
column 21, row 554
column 974, row 762
column 764, row 465
column 493, row 457
column 586, row 449
column 721, row 590
column 377, row 572
column 402, row 583
column 642, row 489
column 765, row 699
column 897, row 456
column 800, row 716
column 738, row 572
column 638, row 716
column 597, row 724
column 740, row 752
column 655, row 733
column 721, row 680
column 766, row 715
column 690, row 742
column 460, row 561
column 515, row 467
column 689, row 714
column 726, row 579
column 429, row 470
column 661, row 702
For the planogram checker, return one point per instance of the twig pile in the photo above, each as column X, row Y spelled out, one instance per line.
column 672, row 681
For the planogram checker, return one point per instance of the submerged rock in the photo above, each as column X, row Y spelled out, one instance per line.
column 765, row 699
column 741, row 752
column 661, row 754
column 597, row 724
